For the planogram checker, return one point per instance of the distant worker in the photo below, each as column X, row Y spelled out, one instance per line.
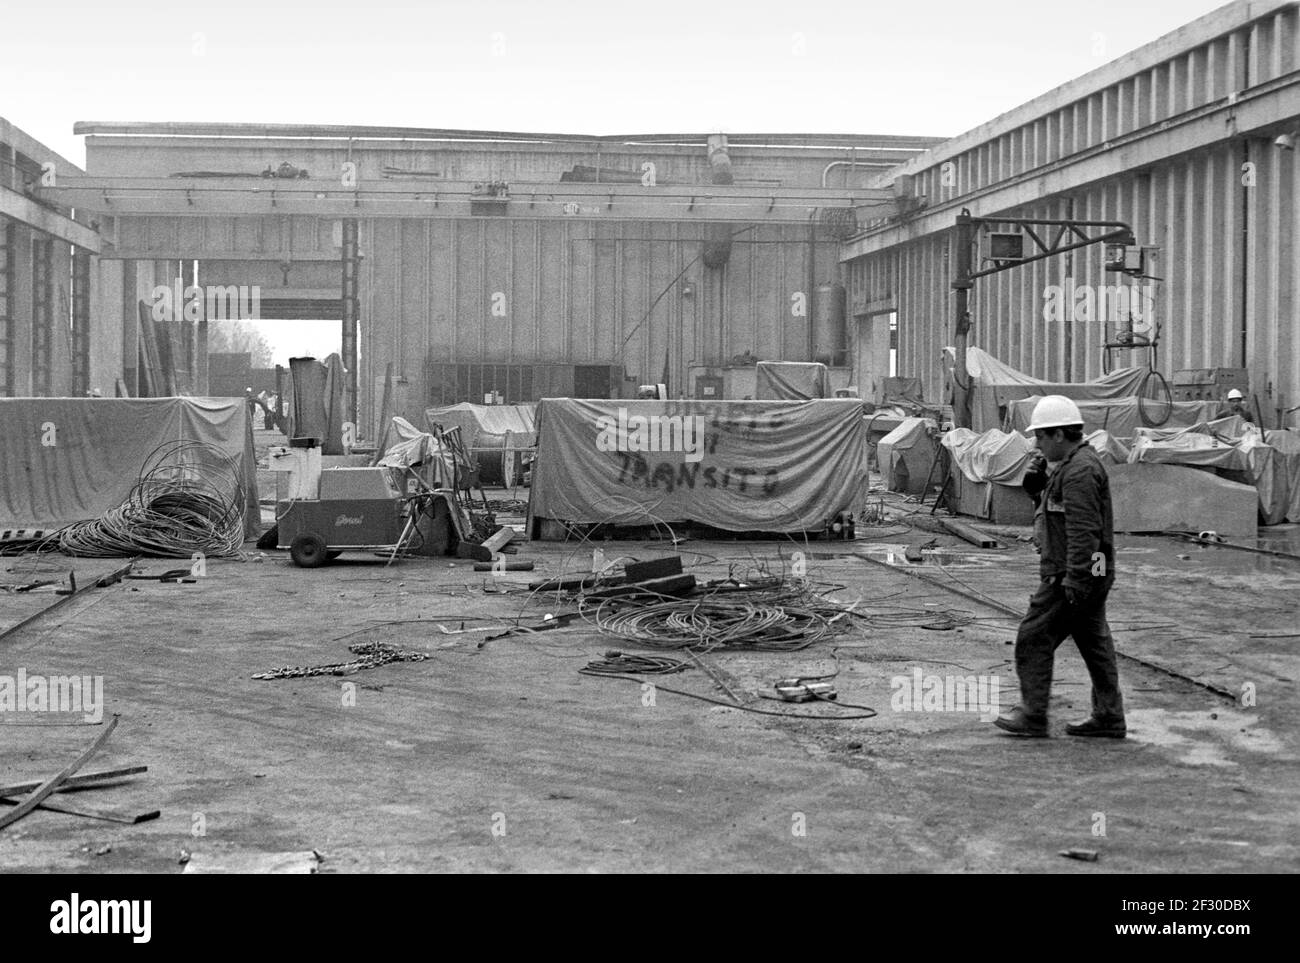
column 1076, row 542
column 1237, row 406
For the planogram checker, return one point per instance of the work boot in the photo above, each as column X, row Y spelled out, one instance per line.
column 1100, row 728
column 1019, row 723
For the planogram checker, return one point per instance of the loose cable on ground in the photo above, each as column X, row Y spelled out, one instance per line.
column 189, row 498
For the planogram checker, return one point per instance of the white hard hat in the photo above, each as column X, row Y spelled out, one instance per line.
column 1055, row 411
column 1234, row 395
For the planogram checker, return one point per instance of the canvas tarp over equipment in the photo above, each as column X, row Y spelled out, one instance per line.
column 1228, row 447
column 66, row 460
column 1119, row 416
column 494, row 434
column 994, row 385
column 791, row 380
column 480, row 422
column 419, row 449
column 906, row 456
column 993, row 456
column 741, row 466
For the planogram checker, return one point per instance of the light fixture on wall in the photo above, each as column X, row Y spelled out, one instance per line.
column 1285, row 141
column 688, row 288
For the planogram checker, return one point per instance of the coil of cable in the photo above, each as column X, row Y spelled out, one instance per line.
column 189, row 498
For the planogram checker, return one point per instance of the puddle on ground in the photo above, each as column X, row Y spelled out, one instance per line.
column 897, row 555
column 1221, row 561
column 1199, row 740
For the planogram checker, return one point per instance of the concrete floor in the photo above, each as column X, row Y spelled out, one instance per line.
column 503, row 758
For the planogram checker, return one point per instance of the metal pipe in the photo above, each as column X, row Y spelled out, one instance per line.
column 351, row 309
column 850, row 164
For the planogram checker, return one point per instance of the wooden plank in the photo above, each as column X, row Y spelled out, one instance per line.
column 150, row 369
column 52, row 784
column 490, row 546
column 972, row 535
column 166, row 355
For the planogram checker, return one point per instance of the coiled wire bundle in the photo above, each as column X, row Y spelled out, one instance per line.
column 778, row 617
column 189, row 498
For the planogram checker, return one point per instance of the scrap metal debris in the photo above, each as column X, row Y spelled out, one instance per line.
column 1086, row 855
column 372, row 655
column 51, row 785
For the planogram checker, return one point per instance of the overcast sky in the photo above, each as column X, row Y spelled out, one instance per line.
column 931, row 67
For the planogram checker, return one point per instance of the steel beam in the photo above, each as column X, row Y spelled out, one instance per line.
column 26, row 211
column 155, row 197
column 1259, row 108
column 351, row 310
column 342, row 132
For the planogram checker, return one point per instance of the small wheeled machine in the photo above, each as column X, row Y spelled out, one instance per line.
column 368, row 510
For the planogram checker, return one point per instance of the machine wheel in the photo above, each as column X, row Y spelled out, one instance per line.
column 308, row 551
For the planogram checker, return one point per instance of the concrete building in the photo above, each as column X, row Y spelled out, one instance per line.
column 495, row 264
column 48, row 295
column 1191, row 141
column 490, row 263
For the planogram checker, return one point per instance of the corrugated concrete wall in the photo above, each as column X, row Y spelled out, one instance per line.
column 514, row 291
column 1225, row 212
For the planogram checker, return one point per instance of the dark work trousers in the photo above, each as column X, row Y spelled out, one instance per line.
column 1047, row 623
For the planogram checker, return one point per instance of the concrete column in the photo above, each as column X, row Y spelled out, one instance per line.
column 22, row 311
column 107, row 362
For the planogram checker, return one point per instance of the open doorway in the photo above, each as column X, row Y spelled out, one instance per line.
column 875, row 352
column 249, row 358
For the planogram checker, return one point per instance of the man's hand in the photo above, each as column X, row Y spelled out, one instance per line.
column 1035, row 479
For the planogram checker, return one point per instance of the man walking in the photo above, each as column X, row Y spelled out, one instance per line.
column 1077, row 544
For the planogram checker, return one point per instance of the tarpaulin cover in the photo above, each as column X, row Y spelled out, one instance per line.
column 1120, row 416
column 316, row 401
column 1203, row 445
column 419, row 448
column 477, row 422
column 494, row 434
column 991, row 456
column 903, row 390
column 1231, row 447
column 791, row 381
column 1110, row 449
column 995, row 385
column 65, row 460
column 905, row 456
column 1286, row 445
column 775, row 466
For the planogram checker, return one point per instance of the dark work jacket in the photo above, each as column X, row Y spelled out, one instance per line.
column 1078, row 537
